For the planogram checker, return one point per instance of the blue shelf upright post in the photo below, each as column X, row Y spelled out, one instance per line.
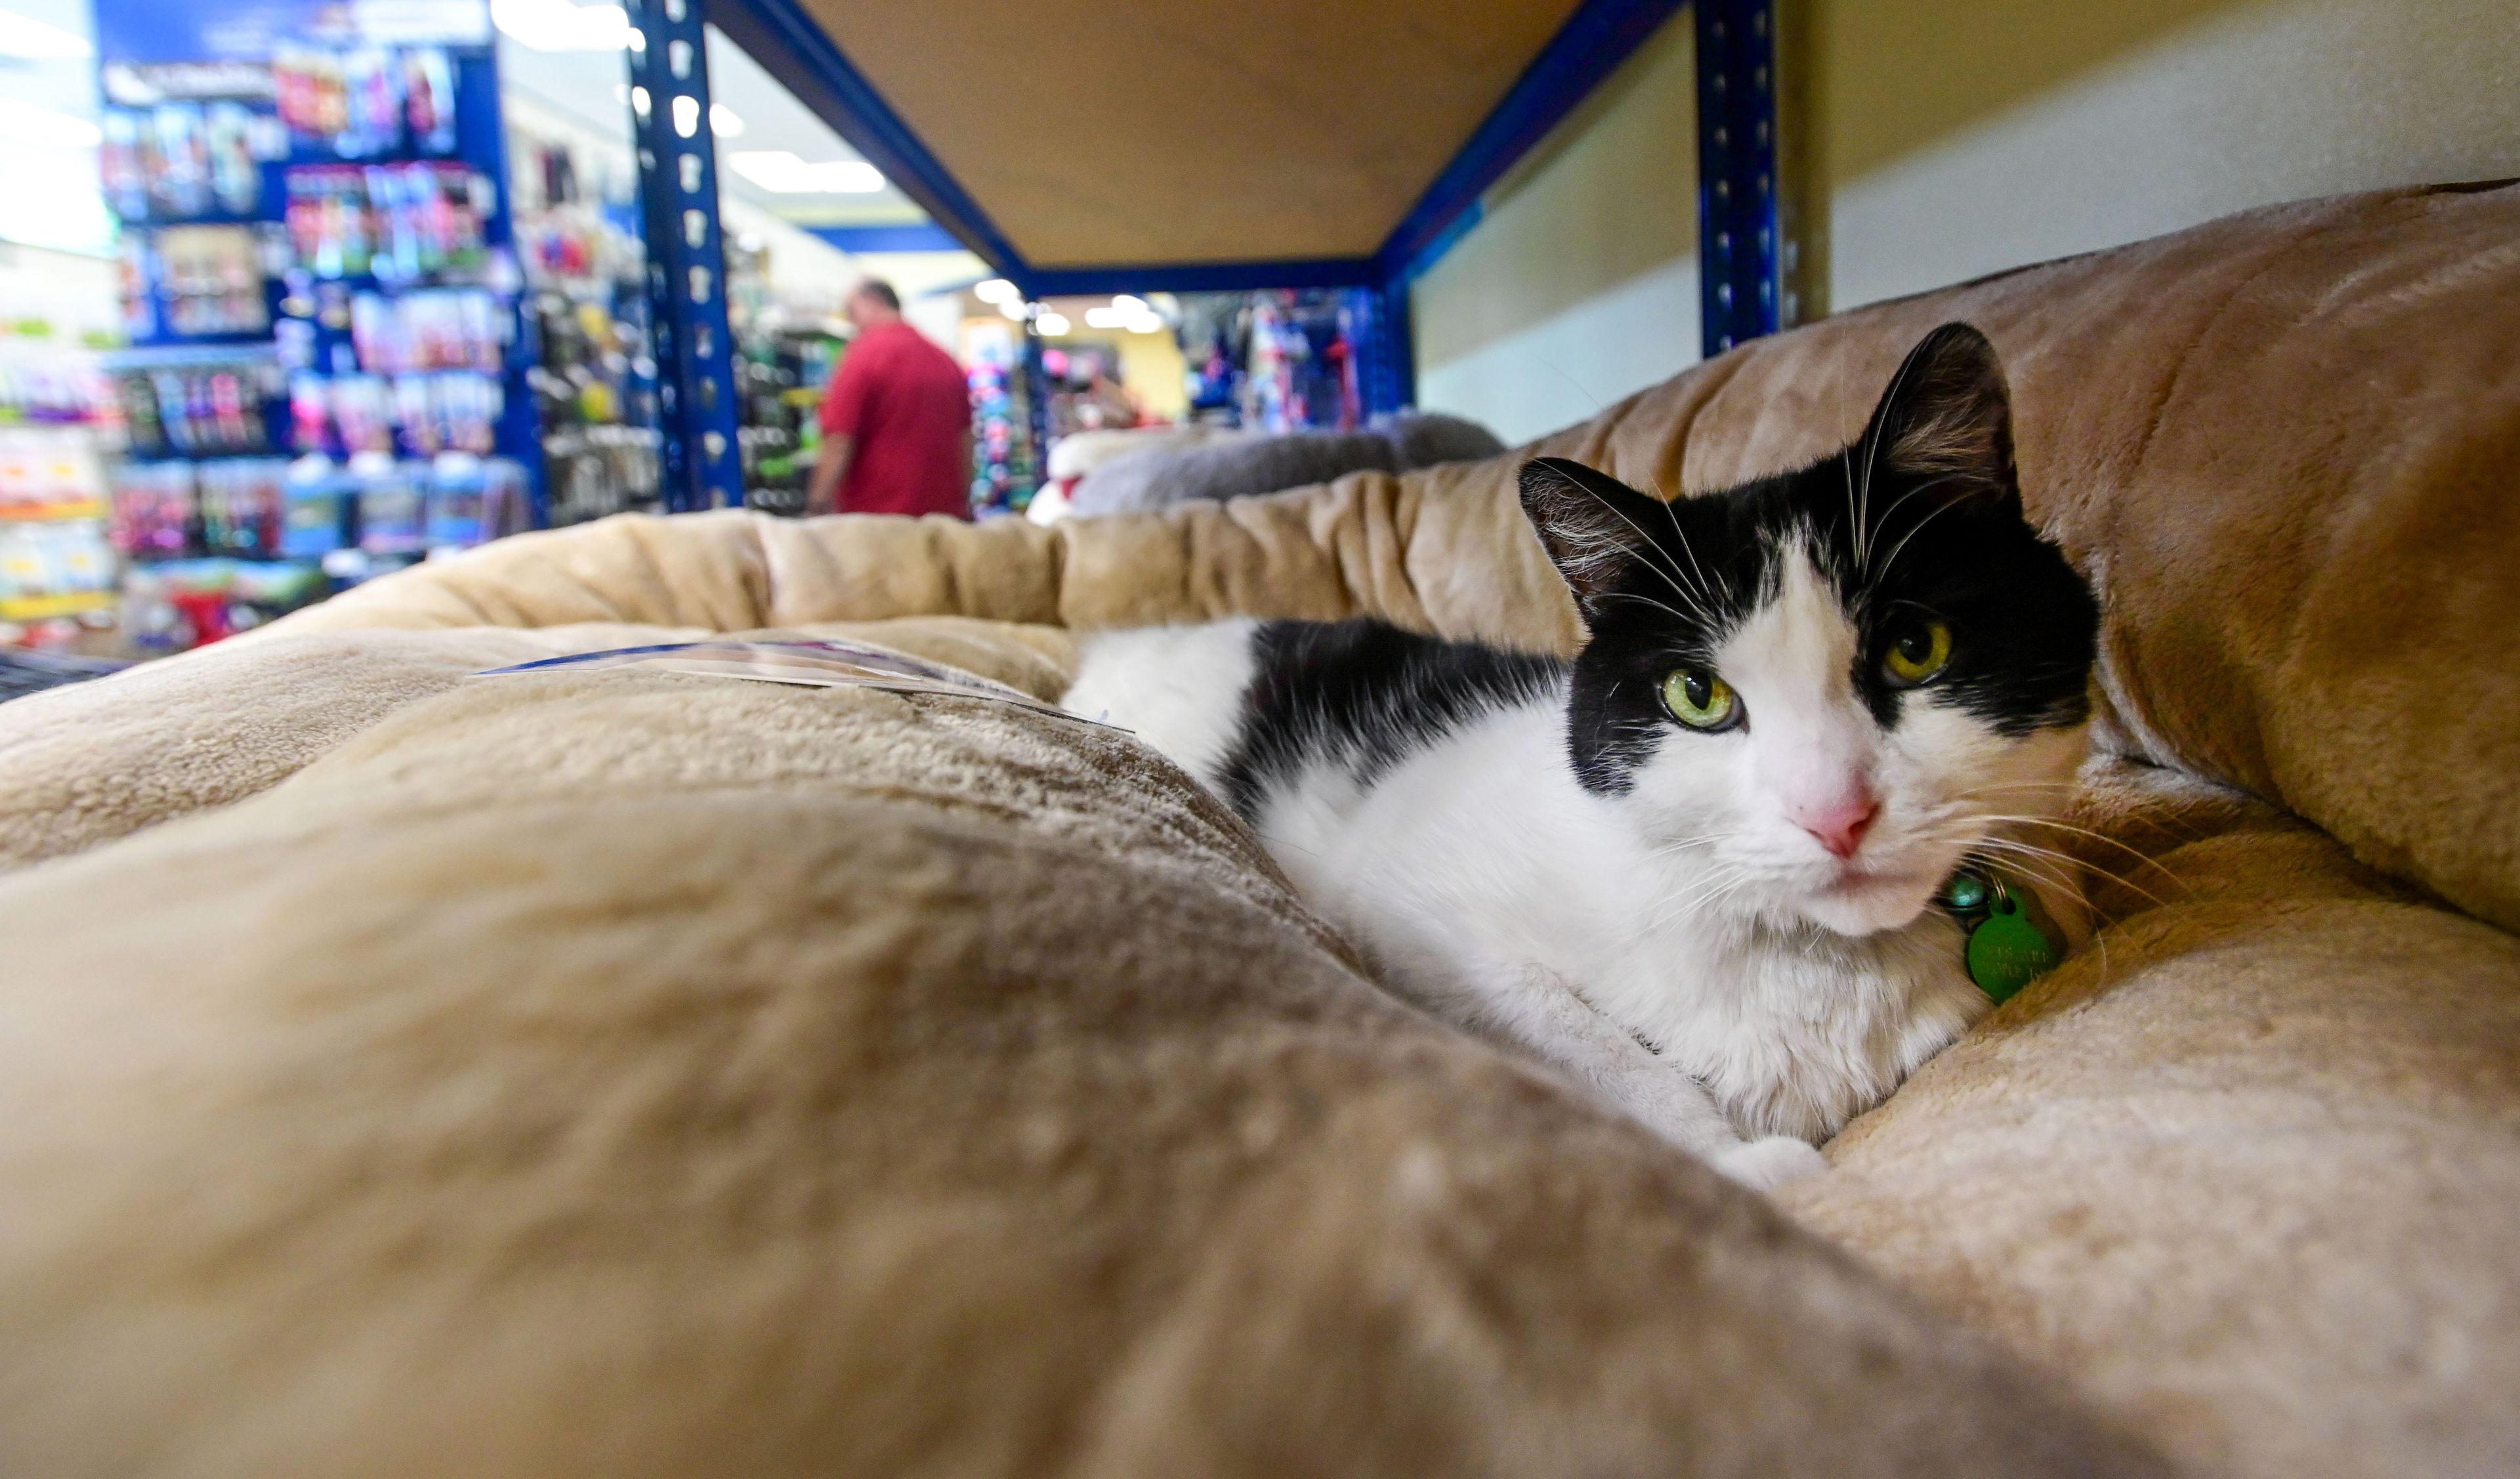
column 1744, row 254
column 1036, row 389
column 1385, row 379
column 695, row 347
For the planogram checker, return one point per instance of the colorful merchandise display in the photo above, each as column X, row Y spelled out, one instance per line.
column 326, row 374
column 53, row 559
column 1278, row 360
column 782, row 377
column 216, row 402
column 787, row 348
column 594, row 379
column 1004, row 474
column 58, row 427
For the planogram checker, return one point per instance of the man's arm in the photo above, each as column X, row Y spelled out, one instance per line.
column 829, row 465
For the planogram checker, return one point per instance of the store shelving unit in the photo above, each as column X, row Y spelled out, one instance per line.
column 1747, row 255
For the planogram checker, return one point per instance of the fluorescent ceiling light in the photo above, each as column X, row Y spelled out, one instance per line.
column 723, row 121
column 26, row 36
column 997, row 290
column 25, row 124
column 559, row 26
column 1129, row 314
column 1013, row 308
column 1052, row 324
column 782, row 174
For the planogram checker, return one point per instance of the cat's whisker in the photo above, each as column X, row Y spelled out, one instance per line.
column 1645, row 557
column 1853, row 522
column 2013, row 848
column 1872, row 445
column 1873, row 577
column 2139, row 854
column 1696, row 899
column 1904, row 539
column 1671, row 510
column 1622, row 595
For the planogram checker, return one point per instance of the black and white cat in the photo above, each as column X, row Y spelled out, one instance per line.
column 1695, row 867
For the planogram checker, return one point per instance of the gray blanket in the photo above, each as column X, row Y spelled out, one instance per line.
column 1157, row 477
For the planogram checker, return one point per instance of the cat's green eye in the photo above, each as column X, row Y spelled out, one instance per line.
column 1920, row 649
column 1700, row 700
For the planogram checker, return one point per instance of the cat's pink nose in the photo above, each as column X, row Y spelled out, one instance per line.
column 1840, row 825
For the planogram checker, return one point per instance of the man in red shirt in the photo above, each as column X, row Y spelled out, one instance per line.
column 896, row 422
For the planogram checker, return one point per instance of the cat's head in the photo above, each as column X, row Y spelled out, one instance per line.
column 1826, row 688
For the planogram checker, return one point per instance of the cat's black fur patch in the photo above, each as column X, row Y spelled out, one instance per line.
column 1922, row 515
column 1365, row 695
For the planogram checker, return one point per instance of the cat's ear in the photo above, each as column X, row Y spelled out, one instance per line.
column 1945, row 424
column 1592, row 524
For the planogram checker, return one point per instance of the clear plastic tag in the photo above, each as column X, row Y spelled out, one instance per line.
column 805, row 663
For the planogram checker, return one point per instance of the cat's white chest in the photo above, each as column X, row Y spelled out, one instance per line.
column 1478, row 866
column 1794, row 1031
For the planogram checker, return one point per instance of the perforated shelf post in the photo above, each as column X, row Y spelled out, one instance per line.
column 669, row 117
column 1748, row 256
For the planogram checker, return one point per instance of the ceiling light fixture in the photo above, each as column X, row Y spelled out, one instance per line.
column 997, row 290
column 46, row 128
column 25, row 36
column 1052, row 324
column 782, row 174
column 559, row 26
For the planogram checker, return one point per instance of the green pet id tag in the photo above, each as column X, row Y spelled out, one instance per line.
column 2006, row 951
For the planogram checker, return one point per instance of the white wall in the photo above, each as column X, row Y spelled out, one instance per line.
column 1944, row 140
column 1571, row 364
column 2192, row 113
column 1579, row 283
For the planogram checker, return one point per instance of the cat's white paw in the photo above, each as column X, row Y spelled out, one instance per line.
column 1770, row 1162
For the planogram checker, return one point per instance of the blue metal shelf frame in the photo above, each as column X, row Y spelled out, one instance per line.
column 792, row 46
column 1741, row 228
column 1742, row 283
column 695, row 347
column 1596, row 39
column 913, row 235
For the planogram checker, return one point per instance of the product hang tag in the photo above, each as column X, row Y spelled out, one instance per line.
column 803, row 664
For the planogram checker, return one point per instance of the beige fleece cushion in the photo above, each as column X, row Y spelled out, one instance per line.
column 93, row 762
column 634, row 1075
